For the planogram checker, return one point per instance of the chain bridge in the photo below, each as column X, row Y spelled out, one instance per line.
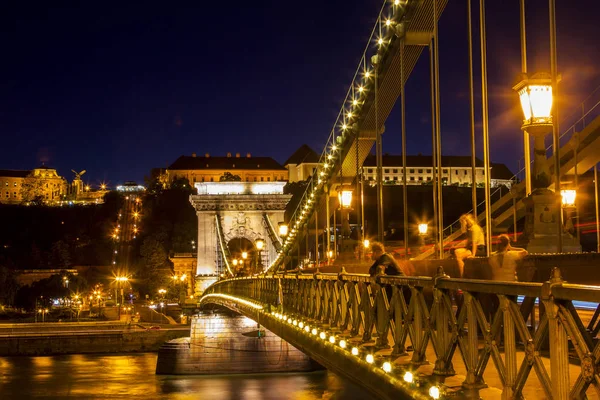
column 431, row 336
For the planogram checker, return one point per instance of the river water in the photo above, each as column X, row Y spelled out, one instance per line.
column 132, row 376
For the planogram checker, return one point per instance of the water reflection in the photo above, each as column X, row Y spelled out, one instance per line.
column 132, row 376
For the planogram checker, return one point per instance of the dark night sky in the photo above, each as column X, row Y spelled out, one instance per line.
column 117, row 90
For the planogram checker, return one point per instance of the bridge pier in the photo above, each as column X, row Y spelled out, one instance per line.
column 222, row 343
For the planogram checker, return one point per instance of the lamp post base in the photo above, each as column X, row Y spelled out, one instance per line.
column 542, row 209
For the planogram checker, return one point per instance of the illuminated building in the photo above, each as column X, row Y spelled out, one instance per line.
column 17, row 186
column 210, row 169
column 302, row 164
column 456, row 170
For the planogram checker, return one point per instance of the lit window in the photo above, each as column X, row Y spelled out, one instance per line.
column 15, row 184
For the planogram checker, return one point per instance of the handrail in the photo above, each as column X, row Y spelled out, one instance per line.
column 439, row 317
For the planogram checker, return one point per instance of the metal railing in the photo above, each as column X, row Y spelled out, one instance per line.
column 446, row 318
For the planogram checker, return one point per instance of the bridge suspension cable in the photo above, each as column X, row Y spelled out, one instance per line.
column 388, row 29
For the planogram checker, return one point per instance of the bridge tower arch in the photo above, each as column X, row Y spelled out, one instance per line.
column 231, row 217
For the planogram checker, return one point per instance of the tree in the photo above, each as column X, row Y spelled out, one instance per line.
column 60, row 255
column 8, row 286
column 32, row 190
column 229, row 177
column 152, row 270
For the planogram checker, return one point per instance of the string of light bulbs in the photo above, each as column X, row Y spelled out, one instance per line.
column 350, row 112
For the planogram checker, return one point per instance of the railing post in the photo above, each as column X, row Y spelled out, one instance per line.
column 442, row 327
column 472, row 381
column 510, row 350
column 559, row 344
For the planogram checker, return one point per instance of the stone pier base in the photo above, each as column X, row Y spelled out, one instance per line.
column 224, row 344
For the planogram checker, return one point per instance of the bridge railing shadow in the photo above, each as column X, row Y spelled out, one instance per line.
column 521, row 327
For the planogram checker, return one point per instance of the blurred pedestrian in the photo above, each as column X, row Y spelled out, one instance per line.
column 473, row 245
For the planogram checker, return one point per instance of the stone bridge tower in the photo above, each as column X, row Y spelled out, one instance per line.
column 232, row 216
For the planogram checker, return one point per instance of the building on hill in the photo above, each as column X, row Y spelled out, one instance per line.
column 302, row 164
column 211, row 169
column 456, row 170
column 18, row 186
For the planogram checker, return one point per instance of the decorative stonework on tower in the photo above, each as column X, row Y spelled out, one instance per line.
column 244, row 209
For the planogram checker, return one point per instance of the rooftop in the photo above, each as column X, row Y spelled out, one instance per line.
column 304, row 154
column 242, row 163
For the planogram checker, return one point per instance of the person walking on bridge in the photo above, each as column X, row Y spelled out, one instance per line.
column 473, row 246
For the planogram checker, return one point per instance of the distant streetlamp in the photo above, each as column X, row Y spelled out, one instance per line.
column 568, row 197
column 423, row 229
column 244, row 255
column 119, row 291
column 366, row 243
column 283, row 229
column 260, row 243
column 345, row 197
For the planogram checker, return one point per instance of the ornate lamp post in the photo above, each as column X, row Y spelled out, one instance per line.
column 535, row 94
column 543, row 206
column 345, row 199
column 568, row 197
column 283, row 229
column 422, row 228
column 259, row 243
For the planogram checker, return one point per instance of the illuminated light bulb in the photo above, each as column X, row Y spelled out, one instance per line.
column 322, row 335
column 408, row 377
column 329, row 156
column 344, row 127
column 367, row 74
column 314, row 331
column 301, row 325
column 319, row 181
column 370, row 358
column 354, row 351
column 289, row 320
column 396, row 2
column 388, row 22
column 354, row 102
column 434, row 392
column 332, row 339
column 361, row 89
column 322, row 173
column 380, row 41
column 307, row 328
column 343, row 344
column 325, row 165
column 387, row 367
column 334, row 147
column 295, row 323
column 349, row 115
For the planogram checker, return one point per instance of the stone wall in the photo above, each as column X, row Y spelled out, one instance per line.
column 86, row 342
column 224, row 344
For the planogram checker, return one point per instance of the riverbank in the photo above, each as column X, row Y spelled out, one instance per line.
column 86, row 338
